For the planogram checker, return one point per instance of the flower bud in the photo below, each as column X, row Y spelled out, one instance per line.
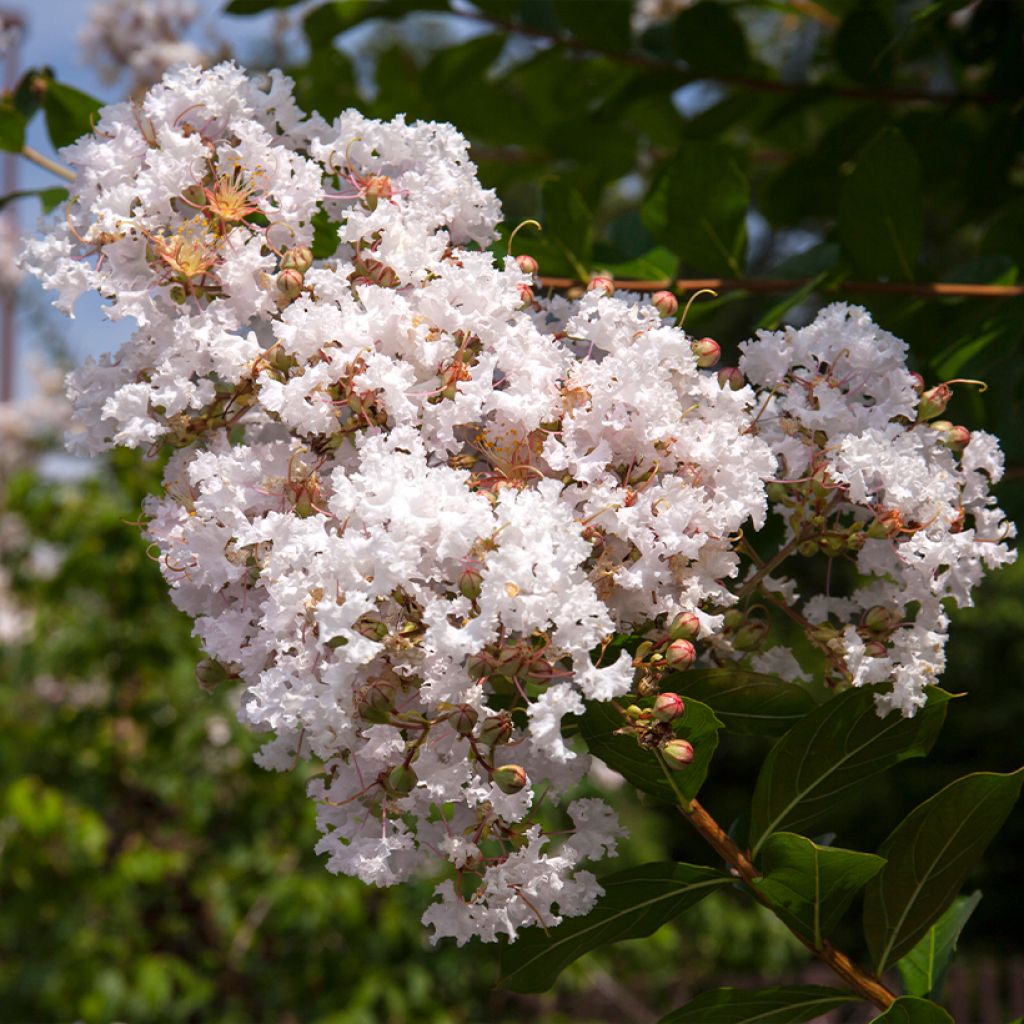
column 707, row 352
column 731, row 377
column 463, row 719
column 875, row 649
column 777, row 493
column 733, row 619
column 917, row 382
column 956, row 439
column 211, row 673
column 496, row 729
column 685, row 626
column 299, row 258
column 808, row 548
column 750, row 635
column 527, row 264
column 677, row 753
column 290, row 284
column 402, row 780
column 470, row 583
column 668, row 707
column 933, row 402
column 680, row 654
column 526, row 296
column 665, row 303
column 376, row 701
column 879, row 619
column 377, row 187
column 510, row 778
column 602, row 284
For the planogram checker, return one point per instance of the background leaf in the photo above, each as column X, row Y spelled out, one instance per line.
column 635, row 903
column 833, row 749
column 790, row 1004
column 70, row 113
column 811, row 886
column 923, row 969
column 929, row 855
column 908, row 1010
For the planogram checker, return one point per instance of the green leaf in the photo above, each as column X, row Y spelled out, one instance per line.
column 604, row 25
column 642, row 767
column 863, row 45
column 744, row 701
column 929, row 855
column 698, row 208
column 811, row 886
column 789, row 1004
column 923, row 969
column 569, row 224
column 908, row 1010
column 70, row 113
column 49, row 197
column 832, row 750
column 880, row 208
column 325, row 235
column 710, row 39
column 256, row 6
column 12, row 128
column 635, row 903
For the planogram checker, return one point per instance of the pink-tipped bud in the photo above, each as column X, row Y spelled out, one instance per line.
column 707, row 352
column 470, row 583
column 290, row 284
column 731, row 377
column 526, row 295
column 602, row 284
column 879, row 619
column 496, row 729
column 680, row 654
column 402, row 780
column 934, row 402
column 665, row 303
column 685, row 626
column 527, row 264
column 510, row 778
column 299, row 258
column 875, row 649
column 464, row 719
column 956, row 438
column 677, row 753
column 917, row 382
column 750, row 635
column 668, row 707
column 377, row 187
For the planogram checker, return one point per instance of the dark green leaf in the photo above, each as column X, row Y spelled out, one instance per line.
column 49, row 197
column 923, row 969
column 635, row 903
column 325, row 22
column 256, row 6
column 811, row 886
column 929, row 855
column 863, row 45
column 642, row 767
column 604, row 25
column 745, row 701
column 833, row 750
column 880, row 208
column 907, row 1010
column 12, row 128
column 789, row 1004
column 70, row 113
column 568, row 224
column 325, row 236
column 698, row 208
column 710, row 39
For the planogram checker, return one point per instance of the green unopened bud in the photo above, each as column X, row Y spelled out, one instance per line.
column 496, row 729
column 290, row 284
column 376, row 701
column 731, row 377
column 665, row 303
column 733, row 619
column 879, row 619
column 510, row 778
column 823, row 633
column 777, row 493
column 808, row 548
column 178, row 294
column 211, row 673
column 685, row 626
column 470, row 584
column 463, row 719
column 680, row 654
column 668, row 707
column 956, row 438
column 402, row 780
column 677, row 753
column 750, row 635
column 707, row 352
column 300, row 258
column 933, row 402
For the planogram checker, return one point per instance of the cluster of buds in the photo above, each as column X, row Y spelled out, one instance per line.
column 669, row 650
column 654, row 728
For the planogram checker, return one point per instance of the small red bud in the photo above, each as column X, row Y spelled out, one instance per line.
column 685, row 626
column 526, row 295
column 731, row 377
column 917, row 382
column 668, row 707
column 510, row 778
column 527, row 264
column 680, row 654
column 707, row 352
column 299, row 258
column 601, row 284
column 677, row 753
column 665, row 303
column 934, row 402
column 290, row 284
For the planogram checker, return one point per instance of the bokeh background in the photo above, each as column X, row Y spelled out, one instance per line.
column 148, row 870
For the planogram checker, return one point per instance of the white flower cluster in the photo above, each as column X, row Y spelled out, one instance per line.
column 411, row 506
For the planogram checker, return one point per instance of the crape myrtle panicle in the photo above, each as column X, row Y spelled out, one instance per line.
column 412, row 505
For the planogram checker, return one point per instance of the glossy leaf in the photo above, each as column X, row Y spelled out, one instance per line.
column 642, row 767
column 929, row 855
column 923, row 969
column 710, row 39
column 568, row 223
column 745, row 701
column 789, row 1004
column 880, row 208
column 811, row 886
column 832, row 750
column 908, row 1010
column 12, row 128
column 635, row 903
column 70, row 113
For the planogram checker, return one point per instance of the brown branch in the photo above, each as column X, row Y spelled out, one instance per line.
column 936, row 289
column 859, row 980
column 684, row 75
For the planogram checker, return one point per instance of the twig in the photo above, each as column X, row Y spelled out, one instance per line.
column 45, row 162
column 936, row 289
